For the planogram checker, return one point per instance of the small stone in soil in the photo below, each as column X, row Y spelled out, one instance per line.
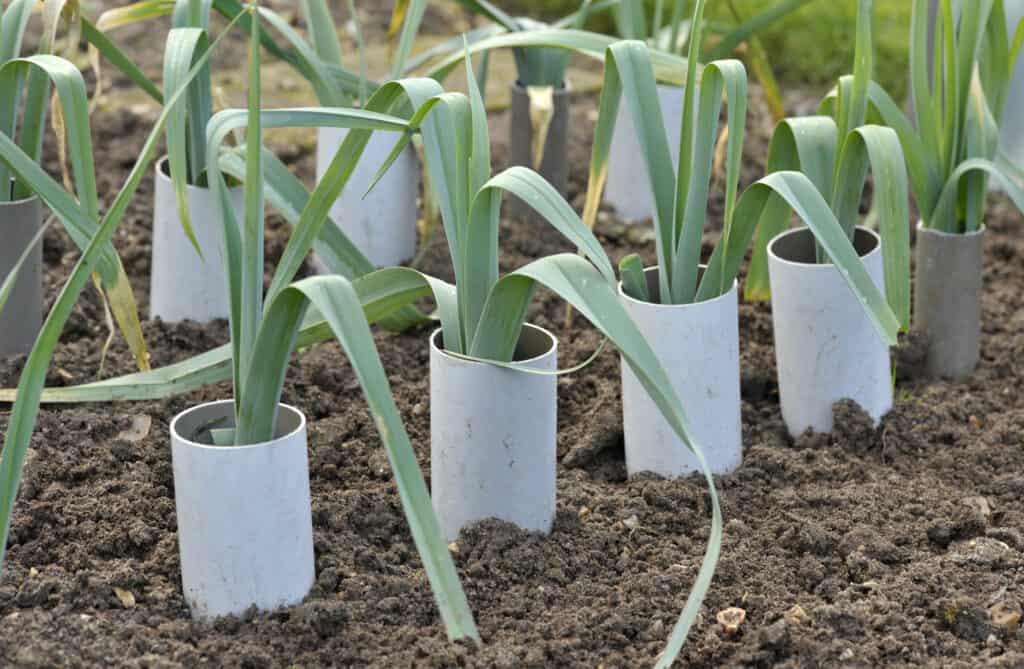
column 138, row 430
column 979, row 504
column 797, row 615
column 1005, row 616
column 730, row 619
column 126, row 598
column 983, row 551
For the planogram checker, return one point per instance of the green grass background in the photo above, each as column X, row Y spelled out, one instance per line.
column 811, row 48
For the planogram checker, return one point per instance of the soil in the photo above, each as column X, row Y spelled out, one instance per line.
column 901, row 545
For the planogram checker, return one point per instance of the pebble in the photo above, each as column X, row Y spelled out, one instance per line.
column 126, row 598
column 731, row 618
column 979, row 504
column 1005, row 616
column 639, row 234
column 138, row 430
column 983, row 551
column 797, row 616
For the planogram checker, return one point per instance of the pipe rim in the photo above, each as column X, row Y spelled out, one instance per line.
column 671, row 307
column 942, row 234
column 163, row 174
column 775, row 257
column 178, row 437
column 551, row 350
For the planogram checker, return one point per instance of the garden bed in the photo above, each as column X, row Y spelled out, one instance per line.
column 864, row 547
column 894, row 542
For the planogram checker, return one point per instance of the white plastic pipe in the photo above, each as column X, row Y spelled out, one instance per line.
column 383, row 223
column 825, row 345
column 699, row 347
column 628, row 188
column 493, row 437
column 22, row 315
column 183, row 284
column 245, row 528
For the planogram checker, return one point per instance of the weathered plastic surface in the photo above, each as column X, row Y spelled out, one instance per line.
column 628, row 188
column 825, row 346
column 185, row 285
column 245, row 527
column 947, row 300
column 493, row 437
column 22, row 316
column 381, row 223
column 1011, row 125
column 554, row 165
column 698, row 345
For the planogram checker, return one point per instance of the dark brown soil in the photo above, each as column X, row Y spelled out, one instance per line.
column 865, row 547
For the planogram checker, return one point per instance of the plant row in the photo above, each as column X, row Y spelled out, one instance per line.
column 839, row 283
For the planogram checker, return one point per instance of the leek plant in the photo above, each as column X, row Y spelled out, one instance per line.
column 80, row 213
column 539, row 147
column 334, row 86
column 439, row 63
column 680, row 203
column 186, row 126
column 535, row 66
column 952, row 150
column 319, row 63
column 952, row 144
column 482, row 314
column 834, row 153
column 25, row 85
column 323, row 38
column 681, row 195
column 261, row 338
column 539, row 98
column 634, row 21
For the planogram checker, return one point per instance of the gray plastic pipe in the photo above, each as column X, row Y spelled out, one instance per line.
column 826, row 348
column 1011, row 125
column 381, row 223
column 698, row 345
column 554, row 166
column 245, row 527
column 493, row 436
column 185, row 285
column 22, row 316
column 628, row 188
column 947, row 300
